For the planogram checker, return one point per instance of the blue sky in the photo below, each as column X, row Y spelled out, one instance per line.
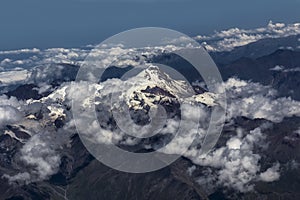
column 73, row 23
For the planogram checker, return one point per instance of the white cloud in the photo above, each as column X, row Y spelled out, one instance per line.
column 277, row 68
column 9, row 115
column 298, row 131
column 12, row 101
column 271, row 174
column 19, row 51
column 227, row 40
column 41, row 157
column 13, row 77
column 5, row 61
column 235, row 165
column 43, row 87
column 296, row 69
column 284, row 69
column 256, row 101
column 234, row 143
column 191, row 169
column 23, row 177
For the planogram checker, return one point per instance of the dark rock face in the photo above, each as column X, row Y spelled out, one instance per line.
column 157, row 91
column 199, row 90
column 171, row 182
column 179, row 64
column 114, row 72
column 73, row 160
column 59, row 122
column 18, row 132
column 256, row 49
column 258, row 70
column 16, row 198
column 8, row 148
column 77, row 158
column 24, row 92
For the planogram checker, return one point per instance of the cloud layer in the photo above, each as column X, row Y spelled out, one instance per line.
column 229, row 39
column 235, row 165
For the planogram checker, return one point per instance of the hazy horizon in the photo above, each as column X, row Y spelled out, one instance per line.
column 74, row 23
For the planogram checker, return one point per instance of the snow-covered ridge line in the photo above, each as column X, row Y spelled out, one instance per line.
column 227, row 40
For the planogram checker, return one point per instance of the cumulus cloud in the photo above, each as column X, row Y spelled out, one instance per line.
column 39, row 157
column 13, row 77
column 271, row 174
column 256, row 101
column 9, row 115
column 44, row 87
column 235, row 165
column 12, row 101
column 23, row 177
column 10, row 110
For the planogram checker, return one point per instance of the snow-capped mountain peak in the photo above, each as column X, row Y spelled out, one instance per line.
column 153, row 85
column 148, row 88
column 153, row 76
